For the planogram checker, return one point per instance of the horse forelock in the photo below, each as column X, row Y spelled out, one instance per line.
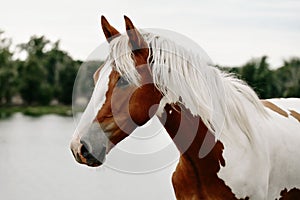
column 122, row 59
column 191, row 79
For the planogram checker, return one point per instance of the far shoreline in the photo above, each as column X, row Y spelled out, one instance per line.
column 36, row 111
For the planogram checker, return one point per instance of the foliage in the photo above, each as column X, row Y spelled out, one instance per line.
column 288, row 78
column 8, row 73
column 267, row 83
column 46, row 74
column 66, row 78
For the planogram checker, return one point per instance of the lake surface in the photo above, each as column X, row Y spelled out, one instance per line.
column 36, row 163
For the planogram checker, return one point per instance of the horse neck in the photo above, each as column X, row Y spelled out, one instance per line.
column 190, row 135
column 195, row 174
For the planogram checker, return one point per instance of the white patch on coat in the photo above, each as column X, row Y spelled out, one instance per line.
column 263, row 171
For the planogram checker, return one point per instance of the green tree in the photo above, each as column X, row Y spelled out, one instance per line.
column 8, row 72
column 48, row 73
column 62, row 71
column 67, row 78
column 288, row 78
column 258, row 75
column 34, row 85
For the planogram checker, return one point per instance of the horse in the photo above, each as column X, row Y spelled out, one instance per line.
column 232, row 144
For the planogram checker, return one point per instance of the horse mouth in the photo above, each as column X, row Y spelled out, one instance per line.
column 91, row 161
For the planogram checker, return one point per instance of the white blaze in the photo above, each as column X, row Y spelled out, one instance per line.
column 96, row 102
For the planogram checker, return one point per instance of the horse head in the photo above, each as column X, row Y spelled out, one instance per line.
column 118, row 104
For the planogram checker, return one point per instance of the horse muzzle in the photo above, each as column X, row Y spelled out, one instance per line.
column 90, row 148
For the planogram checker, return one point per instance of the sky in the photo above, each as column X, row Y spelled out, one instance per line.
column 231, row 31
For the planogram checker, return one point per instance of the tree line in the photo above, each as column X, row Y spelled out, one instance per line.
column 267, row 83
column 47, row 74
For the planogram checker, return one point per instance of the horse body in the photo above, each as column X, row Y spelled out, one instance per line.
column 231, row 145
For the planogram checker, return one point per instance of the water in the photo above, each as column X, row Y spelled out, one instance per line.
column 36, row 163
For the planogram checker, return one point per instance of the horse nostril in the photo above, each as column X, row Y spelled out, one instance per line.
column 84, row 152
column 91, row 159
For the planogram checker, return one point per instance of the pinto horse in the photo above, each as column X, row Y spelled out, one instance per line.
column 232, row 145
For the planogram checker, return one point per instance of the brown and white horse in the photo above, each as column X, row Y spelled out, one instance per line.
column 232, row 145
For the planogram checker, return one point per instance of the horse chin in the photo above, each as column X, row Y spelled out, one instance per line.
column 94, row 164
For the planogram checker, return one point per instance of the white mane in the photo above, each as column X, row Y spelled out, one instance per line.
column 191, row 79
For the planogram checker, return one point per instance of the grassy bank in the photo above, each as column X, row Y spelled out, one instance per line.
column 35, row 111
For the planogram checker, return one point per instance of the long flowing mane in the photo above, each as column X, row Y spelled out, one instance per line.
column 190, row 78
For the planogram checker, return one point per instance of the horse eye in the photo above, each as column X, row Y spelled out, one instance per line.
column 122, row 82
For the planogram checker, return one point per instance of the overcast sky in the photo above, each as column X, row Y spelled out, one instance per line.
column 231, row 32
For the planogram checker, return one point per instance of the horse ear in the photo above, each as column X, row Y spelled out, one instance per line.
column 109, row 31
column 135, row 38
